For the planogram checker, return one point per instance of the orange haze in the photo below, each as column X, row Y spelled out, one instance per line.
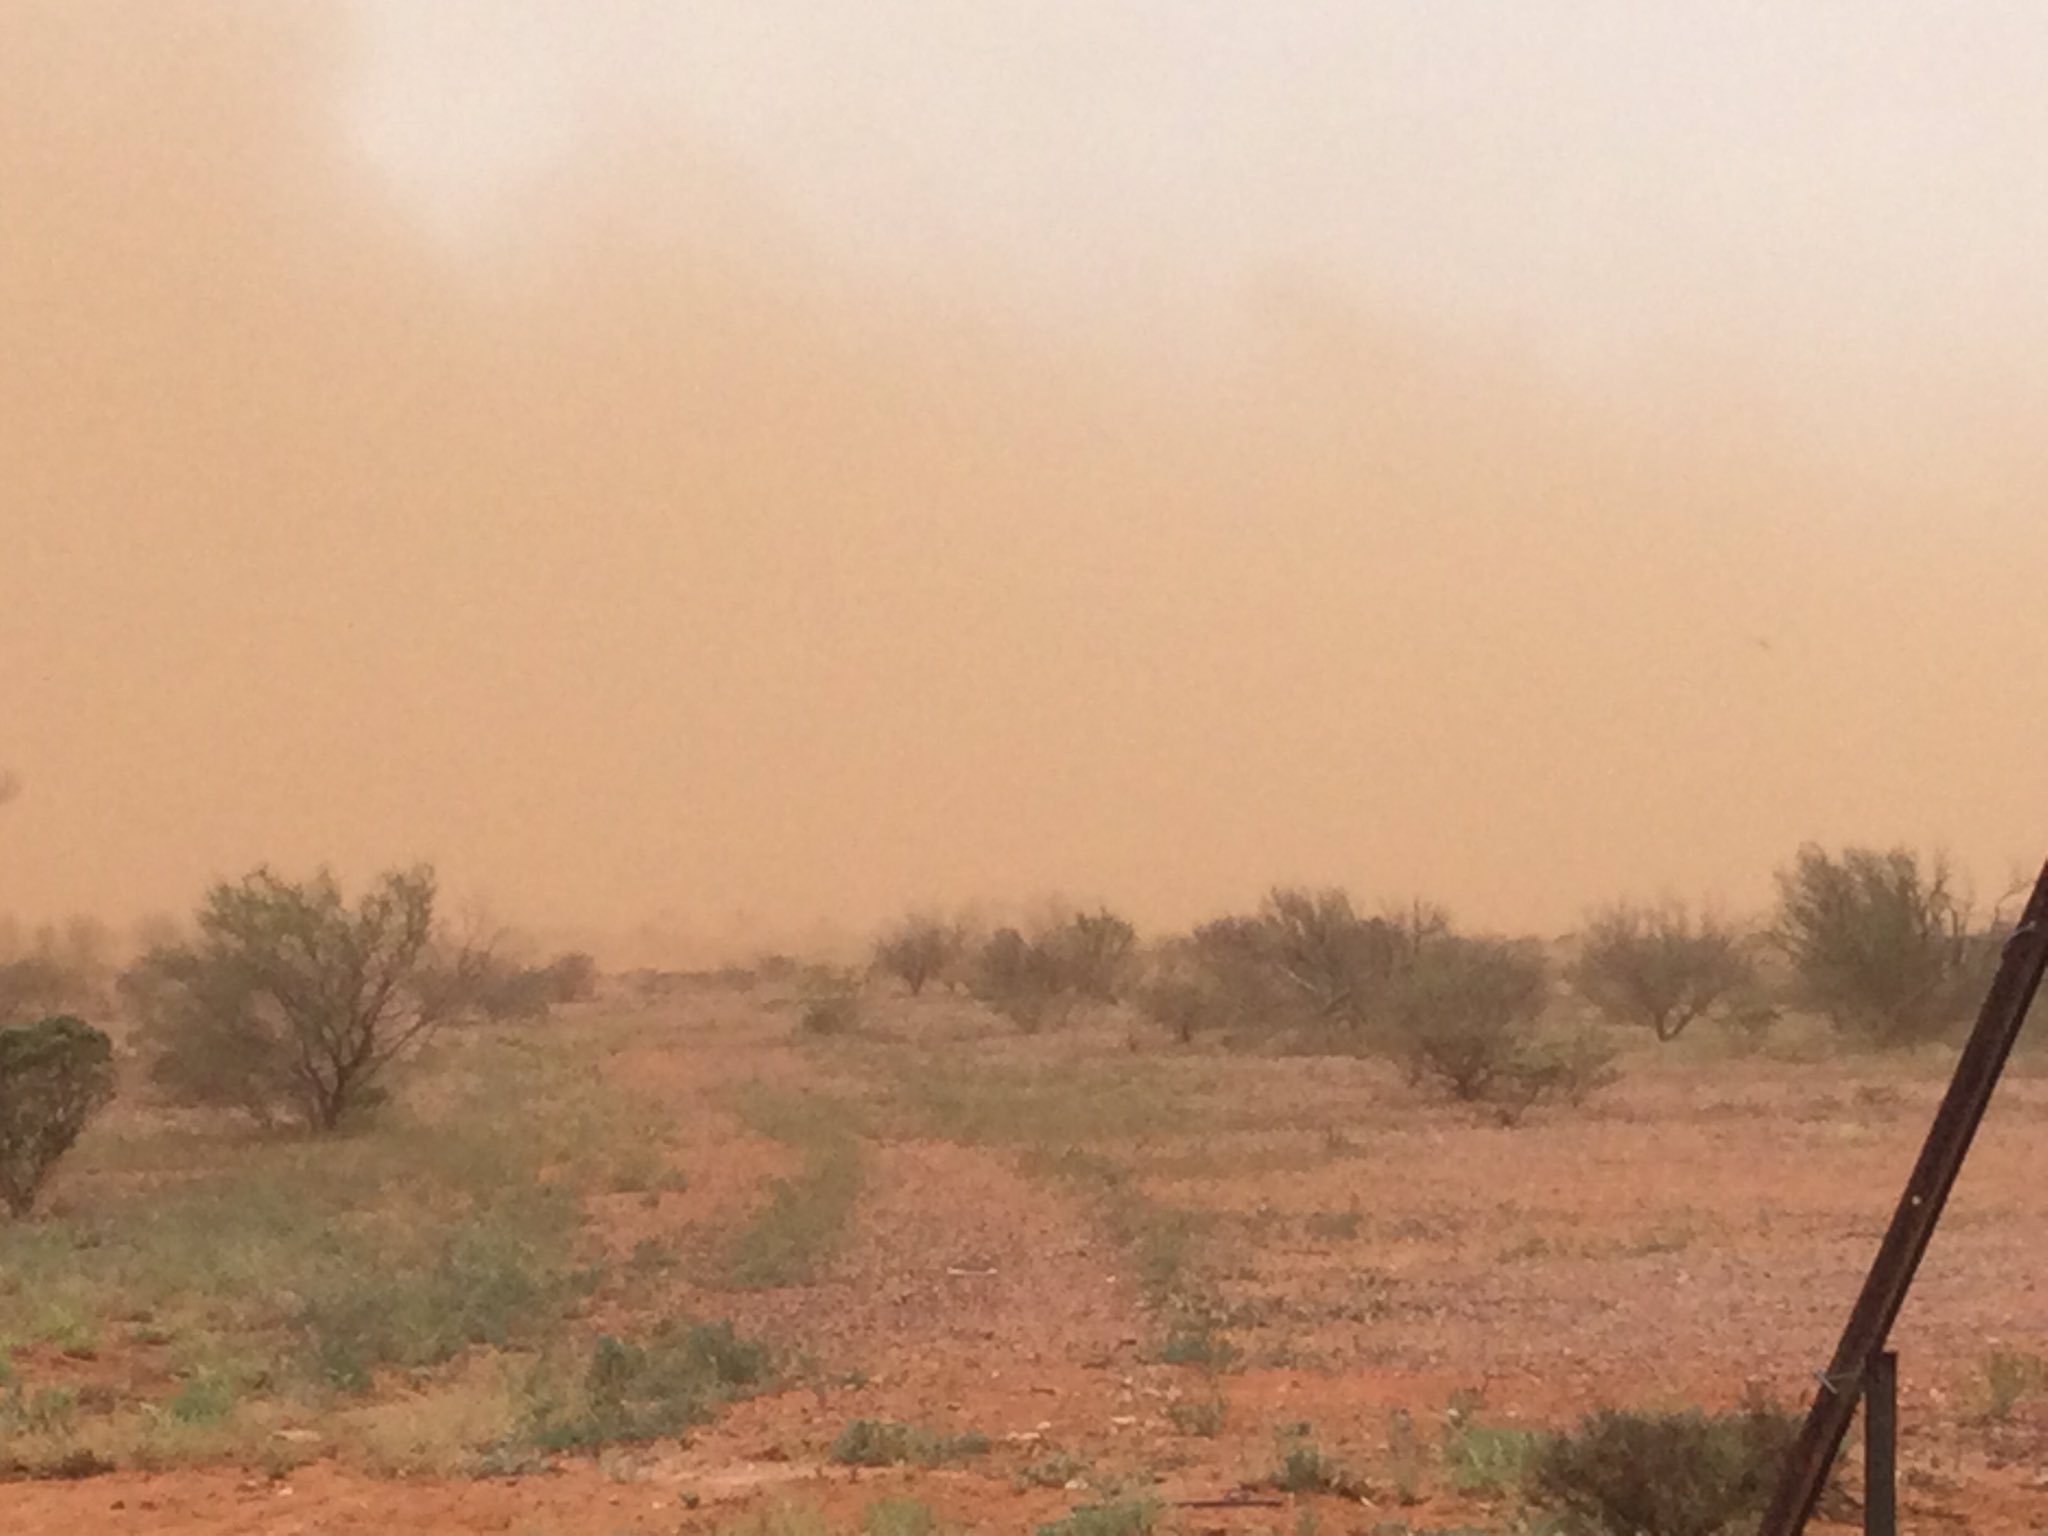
column 655, row 561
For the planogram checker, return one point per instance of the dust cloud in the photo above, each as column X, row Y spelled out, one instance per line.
column 674, row 573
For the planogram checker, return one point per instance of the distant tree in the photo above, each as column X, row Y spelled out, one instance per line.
column 1879, row 942
column 1658, row 967
column 1091, row 954
column 573, row 976
column 1182, row 993
column 292, row 1003
column 918, row 950
column 1018, row 978
column 54, row 1076
column 1306, row 962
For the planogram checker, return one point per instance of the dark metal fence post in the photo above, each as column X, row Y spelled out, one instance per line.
column 1881, row 1445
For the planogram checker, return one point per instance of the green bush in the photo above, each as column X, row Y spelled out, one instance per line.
column 1880, row 943
column 293, row 1003
column 1662, row 1474
column 54, row 1077
column 1464, row 1013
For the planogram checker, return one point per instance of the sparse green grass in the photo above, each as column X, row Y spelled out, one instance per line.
column 276, row 1274
column 632, row 1392
column 789, row 1239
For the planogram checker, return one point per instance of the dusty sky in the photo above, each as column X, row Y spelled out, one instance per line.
column 713, row 471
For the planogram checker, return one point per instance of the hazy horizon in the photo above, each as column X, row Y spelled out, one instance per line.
column 749, row 469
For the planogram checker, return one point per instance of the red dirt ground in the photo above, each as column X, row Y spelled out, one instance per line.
column 1694, row 1234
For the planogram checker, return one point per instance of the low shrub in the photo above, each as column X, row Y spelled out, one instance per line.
column 831, row 1002
column 1662, row 1474
column 1306, row 1467
column 1464, row 1014
column 635, row 1392
column 1204, row 1417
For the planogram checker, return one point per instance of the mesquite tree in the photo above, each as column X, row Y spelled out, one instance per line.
column 293, row 1003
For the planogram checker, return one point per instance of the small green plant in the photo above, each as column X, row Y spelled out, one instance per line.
column 54, row 1077
column 1058, row 1469
column 1488, row 1462
column 1204, row 1417
column 2009, row 1376
column 1197, row 1341
column 1662, row 1474
column 882, row 1443
column 206, row 1398
column 1125, row 1517
column 1305, row 1467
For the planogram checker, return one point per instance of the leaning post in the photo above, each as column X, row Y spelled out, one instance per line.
column 1868, row 1330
